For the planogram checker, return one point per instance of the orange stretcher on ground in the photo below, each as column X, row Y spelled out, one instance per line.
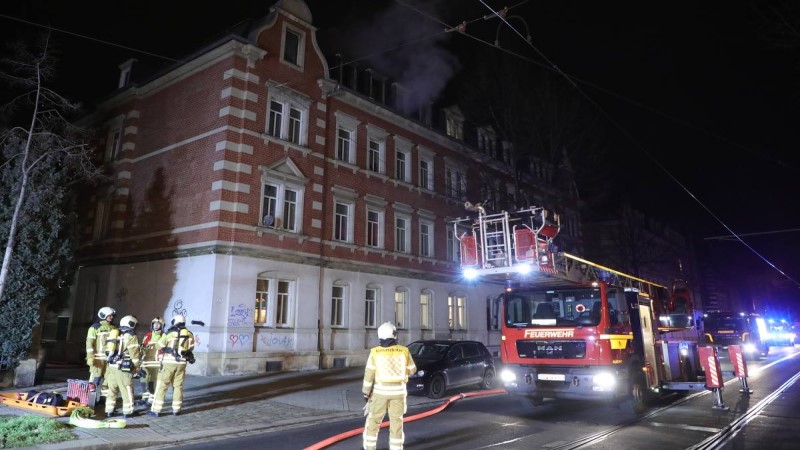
column 77, row 395
column 20, row 400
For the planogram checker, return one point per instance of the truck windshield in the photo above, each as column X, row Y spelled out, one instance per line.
column 711, row 324
column 564, row 307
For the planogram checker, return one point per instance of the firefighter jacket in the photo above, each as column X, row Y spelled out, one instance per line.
column 150, row 349
column 177, row 345
column 97, row 337
column 127, row 355
column 387, row 370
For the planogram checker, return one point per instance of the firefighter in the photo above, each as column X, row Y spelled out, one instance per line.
column 384, row 388
column 124, row 358
column 176, row 347
column 96, row 357
column 150, row 361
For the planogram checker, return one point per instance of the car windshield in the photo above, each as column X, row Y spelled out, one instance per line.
column 428, row 350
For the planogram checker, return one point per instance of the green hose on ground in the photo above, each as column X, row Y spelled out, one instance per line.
column 80, row 417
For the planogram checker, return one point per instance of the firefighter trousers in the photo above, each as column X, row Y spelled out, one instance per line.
column 119, row 383
column 170, row 374
column 379, row 406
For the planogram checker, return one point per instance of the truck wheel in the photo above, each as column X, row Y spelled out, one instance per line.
column 640, row 397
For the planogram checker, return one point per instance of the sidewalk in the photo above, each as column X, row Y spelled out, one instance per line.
column 226, row 405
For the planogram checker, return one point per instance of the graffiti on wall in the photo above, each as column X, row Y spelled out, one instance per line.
column 240, row 339
column 239, row 316
column 178, row 308
column 121, row 295
column 277, row 340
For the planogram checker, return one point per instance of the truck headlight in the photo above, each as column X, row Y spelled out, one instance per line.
column 605, row 380
column 508, row 376
column 749, row 348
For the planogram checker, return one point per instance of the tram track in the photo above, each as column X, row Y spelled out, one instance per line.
column 717, row 440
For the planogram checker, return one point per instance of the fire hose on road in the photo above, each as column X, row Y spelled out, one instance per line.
column 346, row 435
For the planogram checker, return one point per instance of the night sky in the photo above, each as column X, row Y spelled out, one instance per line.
column 705, row 110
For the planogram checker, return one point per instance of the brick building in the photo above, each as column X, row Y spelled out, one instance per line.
column 290, row 210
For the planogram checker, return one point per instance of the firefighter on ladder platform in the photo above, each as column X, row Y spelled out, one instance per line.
column 96, row 357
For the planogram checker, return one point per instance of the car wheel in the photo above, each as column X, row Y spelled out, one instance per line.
column 488, row 380
column 437, row 387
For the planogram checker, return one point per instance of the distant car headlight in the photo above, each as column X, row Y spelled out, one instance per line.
column 749, row 348
column 508, row 376
column 605, row 380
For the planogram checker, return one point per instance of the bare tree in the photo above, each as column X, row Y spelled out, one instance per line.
column 43, row 149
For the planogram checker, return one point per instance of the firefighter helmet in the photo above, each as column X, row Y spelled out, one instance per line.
column 105, row 311
column 128, row 322
column 159, row 321
column 178, row 319
column 387, row 331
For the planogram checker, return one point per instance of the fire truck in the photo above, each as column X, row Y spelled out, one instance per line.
column 574, row 329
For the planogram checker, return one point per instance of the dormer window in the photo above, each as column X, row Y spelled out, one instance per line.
column 376, row 87
column 454, row 123
column 293, row 44
column 125, row 73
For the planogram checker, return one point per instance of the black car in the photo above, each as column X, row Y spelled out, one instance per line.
column 443, row 365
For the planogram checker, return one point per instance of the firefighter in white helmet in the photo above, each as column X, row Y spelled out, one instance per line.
column 177, row 346
column 96, row 338
column 384, row 388
column 124, row 358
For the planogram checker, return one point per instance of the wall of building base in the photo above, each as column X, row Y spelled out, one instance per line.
column 214, row 364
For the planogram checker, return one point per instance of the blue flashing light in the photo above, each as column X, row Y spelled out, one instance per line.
column 470, row 274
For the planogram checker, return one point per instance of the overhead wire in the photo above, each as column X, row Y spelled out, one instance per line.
column 643, row 149
column 462, row 29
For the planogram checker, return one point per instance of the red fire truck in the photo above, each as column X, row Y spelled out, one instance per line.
column 574, row 329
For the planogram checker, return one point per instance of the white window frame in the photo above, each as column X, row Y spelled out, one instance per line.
column 350, row 125
column 457, row 311
column 343, row 217
column 339, row 304
column 288, row 100
column 280, row 299
column 401, row 308
column 426, row 239
column 425, row 180
column 453, row 246
column 343, row 198
column 455, row 181
column 376, row 149
column 376, row 226
column 402, row 147
column 402, row 235
column 301, row 45
column 283, row 176
column 425, row 309
column 374, row 291
column 113, row 144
